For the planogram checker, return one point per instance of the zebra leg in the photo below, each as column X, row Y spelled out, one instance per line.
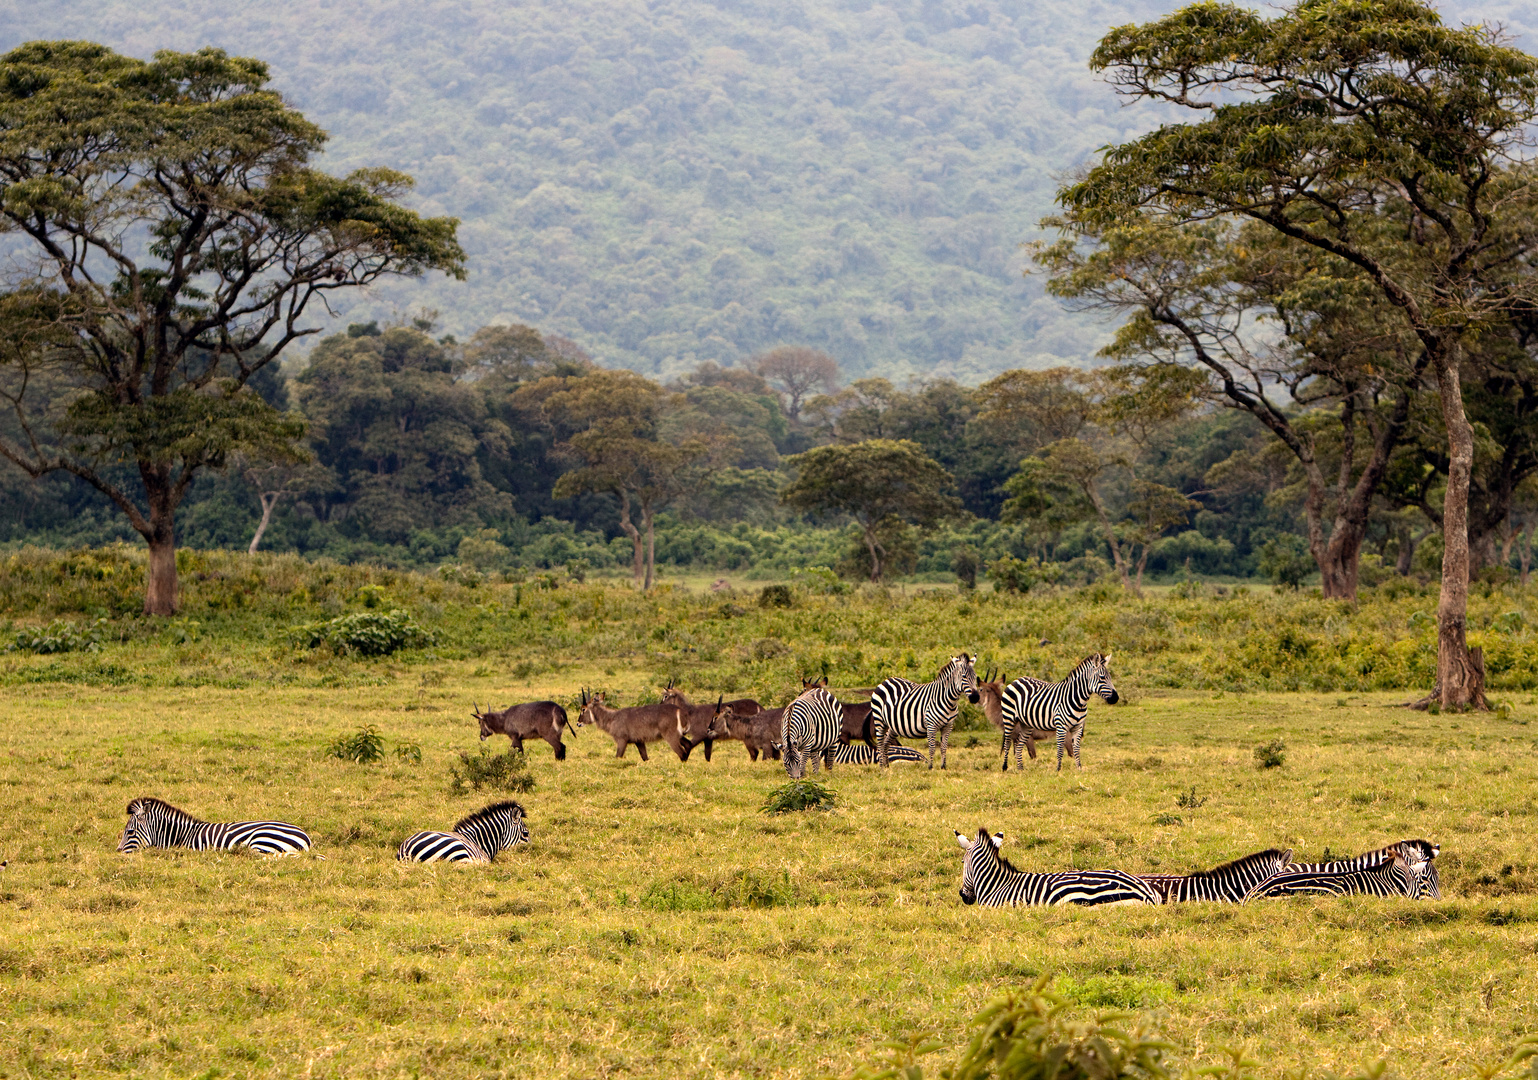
column 929, row 738
column 1062, row 734
column 1078, row 737
column 945, row 742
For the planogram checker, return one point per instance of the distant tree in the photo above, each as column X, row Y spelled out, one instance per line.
column 180, row 237
column 795, row 371
column 877, row 483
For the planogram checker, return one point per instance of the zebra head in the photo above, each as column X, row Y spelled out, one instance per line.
column 962, row 675
column 1099, row 672
column 980, row 853
column 136, row 833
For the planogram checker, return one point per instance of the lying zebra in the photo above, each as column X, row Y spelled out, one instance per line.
column 860, row 754
column 1229, row 883
column 1390, row 877
column 988, row 879
column 475, row 839
column 158, row 824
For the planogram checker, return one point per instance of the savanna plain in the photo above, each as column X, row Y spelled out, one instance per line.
column 660, row 924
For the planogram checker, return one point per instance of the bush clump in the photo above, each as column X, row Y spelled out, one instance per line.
column 1270, row 755
column 498, row 772
column 366, row 633
column 774, row 596
column 60, row 637
column 799, row 795
column 364, row 746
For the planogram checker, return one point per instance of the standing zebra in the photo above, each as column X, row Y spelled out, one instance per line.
column 987, row 878
column 809, row 729
column 1417, row 854
column 1229, row 883
column 1032, row 705
column 476, row 839
column 1391, row 877
column 154, row 823
column 903, row 709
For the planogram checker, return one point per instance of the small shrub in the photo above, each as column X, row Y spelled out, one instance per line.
column 364, row 634
column 799, row 795
column 409, row 752
column 1168, row 819
column 1189, row 800
column 499, row 772
column 772, row 596
column 364, row 746
column 1271, row 755
column 60, row 637
column 578, row 569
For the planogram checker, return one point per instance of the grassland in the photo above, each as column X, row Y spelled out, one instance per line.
column 659, row 924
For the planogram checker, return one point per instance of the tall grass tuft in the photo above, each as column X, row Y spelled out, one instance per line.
column 497, row 772
column 799, row 795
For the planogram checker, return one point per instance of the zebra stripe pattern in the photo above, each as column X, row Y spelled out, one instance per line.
column 1417, row 854
column 860, row 754
column 1392, row 877
column 475, row 839
column 1035, row 705
column 809, row 730
column 988, row 879
column 158, row 824
column 903, row 709
column 1229, row 883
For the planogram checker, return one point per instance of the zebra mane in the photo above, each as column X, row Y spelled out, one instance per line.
column 146, row 803
column 1248, row 860
column 1092, row 658
column 486, row 812
column 986, row 837
column 1424, row 848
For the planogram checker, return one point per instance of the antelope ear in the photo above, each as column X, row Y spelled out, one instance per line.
column 966, row 844
column 996, row 839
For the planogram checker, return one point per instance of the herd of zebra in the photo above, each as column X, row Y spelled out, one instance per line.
column 817, row 728
column 1402, row 869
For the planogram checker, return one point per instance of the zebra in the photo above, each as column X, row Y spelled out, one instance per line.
column 1417, row 854
column 476, row 838
column 809, row 729
column 903, row 709
column 860, row 754
column 1035, row 705
column 1391, row 877
column 987, row 878
column 156, row 823
column 1228, row 883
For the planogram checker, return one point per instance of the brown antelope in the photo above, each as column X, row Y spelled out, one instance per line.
column 704, row 724
column 639, row 724
column 990, row 698
column 542, row 719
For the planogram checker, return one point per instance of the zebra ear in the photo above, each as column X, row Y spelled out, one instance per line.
column 966, row 845
column 1107, row 658
column 996, row 840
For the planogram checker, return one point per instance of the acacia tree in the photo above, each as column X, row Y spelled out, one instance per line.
column 1204, row 294
column 180, row 237
column 878, row 483
column 1323, row 123
column 795, row 371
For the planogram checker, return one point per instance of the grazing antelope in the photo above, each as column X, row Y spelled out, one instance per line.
column 542, row 719
column 705, row 724
column 639, row 724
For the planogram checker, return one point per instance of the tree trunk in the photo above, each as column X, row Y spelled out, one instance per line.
column 1408, row 542
column 269, row 500
column 627, row 527
column 651, row 546
column 1525, row 550
column 1460, row 675
column 874, row 547
column 161, row 598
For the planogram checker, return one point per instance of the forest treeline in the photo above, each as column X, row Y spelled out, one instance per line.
column 430, row 450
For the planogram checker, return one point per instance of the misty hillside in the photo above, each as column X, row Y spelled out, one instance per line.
column 681, row 181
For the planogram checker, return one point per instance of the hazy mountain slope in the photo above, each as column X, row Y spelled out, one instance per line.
column 684, row 180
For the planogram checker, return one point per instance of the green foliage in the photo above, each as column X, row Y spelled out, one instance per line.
column 497, row 772
column 366, row 633
column 805, row 794
column 1270, row 755
column 60, row 636
column 364, row 746
column 964, row 566
column 739, row 889
column 1285, row 560
column 775, row 596
column 409, row 753
column 1019, row 575
column 1189, row 800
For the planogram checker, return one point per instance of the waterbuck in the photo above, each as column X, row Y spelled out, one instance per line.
column 517, row 722
column 856, row 724
column 990, row 698
column 704, row 724
column 760, row 734
column 639, row 724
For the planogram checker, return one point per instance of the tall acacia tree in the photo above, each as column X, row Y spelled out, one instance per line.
column 178, row 239
column 1328, row 123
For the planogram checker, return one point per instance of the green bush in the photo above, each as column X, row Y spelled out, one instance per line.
column 799, row 795
column 364, row 746
column 774, row 596
column 1010, row 574
column 365, row 634
column 1270, row 755
column 498, row 772
column 1285, row 560
column 60, row 637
